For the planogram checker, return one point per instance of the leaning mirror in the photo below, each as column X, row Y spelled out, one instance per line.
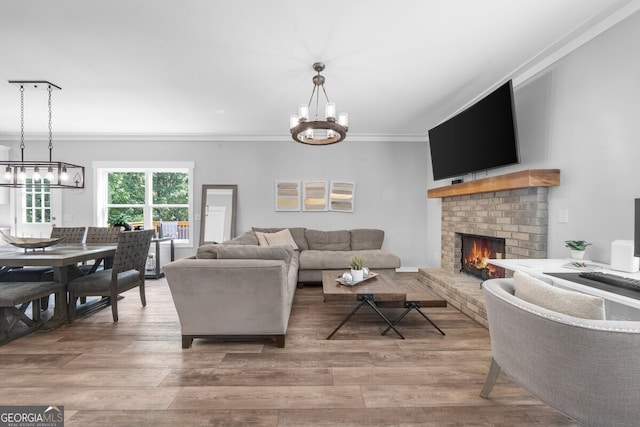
column 218, row 218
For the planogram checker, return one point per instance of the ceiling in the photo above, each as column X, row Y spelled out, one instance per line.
column 239, row 68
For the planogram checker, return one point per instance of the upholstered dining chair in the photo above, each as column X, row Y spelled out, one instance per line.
column 126, row 273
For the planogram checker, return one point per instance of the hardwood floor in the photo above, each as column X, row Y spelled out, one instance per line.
column 135, row 373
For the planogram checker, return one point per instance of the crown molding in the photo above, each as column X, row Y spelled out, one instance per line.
column 202, row 137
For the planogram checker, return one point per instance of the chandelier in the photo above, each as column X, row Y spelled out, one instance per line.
column 27, row 174
column 318, row 132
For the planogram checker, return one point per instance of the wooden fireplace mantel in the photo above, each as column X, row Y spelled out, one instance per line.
column 510, row 181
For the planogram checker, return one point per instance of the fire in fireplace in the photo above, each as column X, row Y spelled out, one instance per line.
column 476, row 251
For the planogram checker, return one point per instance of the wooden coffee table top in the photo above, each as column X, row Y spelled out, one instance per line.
column 382, row 287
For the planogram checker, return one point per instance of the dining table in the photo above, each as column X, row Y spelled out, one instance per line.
column 64, row 260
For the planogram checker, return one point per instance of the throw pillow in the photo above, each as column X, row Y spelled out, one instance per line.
column 571, row 303
column 282, row 237
column 296, row 232
column 262, row 241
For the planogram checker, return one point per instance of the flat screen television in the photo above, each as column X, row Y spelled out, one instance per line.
column 484, row 136
column 636, row 231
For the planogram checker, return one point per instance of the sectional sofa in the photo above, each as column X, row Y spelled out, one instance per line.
column 245, row 286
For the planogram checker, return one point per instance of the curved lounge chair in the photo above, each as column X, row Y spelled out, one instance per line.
column 587, row 369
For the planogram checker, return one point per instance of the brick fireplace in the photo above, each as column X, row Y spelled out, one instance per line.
column 513, row 207
column 519, row 216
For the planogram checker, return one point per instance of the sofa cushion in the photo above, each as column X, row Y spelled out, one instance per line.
column 255, row 252
column 366, row 238
column 553, row 298
column 339, row 240
column 208, row 251
column 337, row 260
column 296, row 232
column 246, row 238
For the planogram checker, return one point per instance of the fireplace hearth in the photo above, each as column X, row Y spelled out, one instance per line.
column 475, row 253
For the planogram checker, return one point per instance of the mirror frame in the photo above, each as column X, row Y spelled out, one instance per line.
column 234, row 198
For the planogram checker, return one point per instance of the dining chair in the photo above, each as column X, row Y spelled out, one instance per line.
column 126, row 273
column 72, row 235
column 102, row 235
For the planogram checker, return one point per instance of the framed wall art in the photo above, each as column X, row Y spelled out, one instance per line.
column 314, row 196
column 342, row 196
column 287, row 196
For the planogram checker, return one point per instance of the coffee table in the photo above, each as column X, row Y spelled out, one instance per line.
column 380, row 291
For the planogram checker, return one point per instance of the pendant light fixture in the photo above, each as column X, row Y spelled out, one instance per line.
column 318, row 132
column 24, row 173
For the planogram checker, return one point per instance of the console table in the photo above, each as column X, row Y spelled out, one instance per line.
column 617, row 307
column 157, row 273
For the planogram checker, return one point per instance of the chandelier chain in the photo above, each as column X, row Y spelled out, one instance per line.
column 50, row 131
column 22, row 117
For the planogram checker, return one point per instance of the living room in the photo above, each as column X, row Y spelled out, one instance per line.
column 576, row 106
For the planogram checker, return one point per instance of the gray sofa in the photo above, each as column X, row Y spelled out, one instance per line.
column 243, row 288
column 331, row 250
column 585, row 368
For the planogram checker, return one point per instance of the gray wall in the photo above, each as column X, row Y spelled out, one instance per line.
column 390, row 180
column 582, row 116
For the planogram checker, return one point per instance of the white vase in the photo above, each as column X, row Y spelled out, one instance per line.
column 575, row 254
column 358, row 275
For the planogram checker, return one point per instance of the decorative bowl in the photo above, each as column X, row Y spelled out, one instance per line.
column 31, row 242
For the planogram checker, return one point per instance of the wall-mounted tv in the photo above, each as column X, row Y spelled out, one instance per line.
column 484, row 136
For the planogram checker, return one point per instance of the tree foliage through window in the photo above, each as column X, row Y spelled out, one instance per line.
column 127, row 196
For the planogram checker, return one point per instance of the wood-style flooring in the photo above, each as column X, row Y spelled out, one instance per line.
column 135, row 372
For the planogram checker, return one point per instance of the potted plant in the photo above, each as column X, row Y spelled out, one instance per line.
column 577, row 248
column 357, row 264
column 119, row 220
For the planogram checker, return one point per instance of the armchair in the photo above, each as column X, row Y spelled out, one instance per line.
column 586, row 369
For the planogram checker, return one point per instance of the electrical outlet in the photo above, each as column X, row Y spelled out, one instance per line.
column 563, row 216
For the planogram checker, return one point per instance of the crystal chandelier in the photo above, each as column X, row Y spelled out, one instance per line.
column 318, row 132
column 25, row 174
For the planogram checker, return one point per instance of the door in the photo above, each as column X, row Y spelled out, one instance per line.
column 35, row 210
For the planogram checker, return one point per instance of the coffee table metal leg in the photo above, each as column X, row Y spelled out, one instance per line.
column 373, row 305
column 365, row 299
column 411, row 305
column 363, row 302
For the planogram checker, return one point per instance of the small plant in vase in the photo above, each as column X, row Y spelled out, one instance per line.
column 577, row 248
column 357, row 265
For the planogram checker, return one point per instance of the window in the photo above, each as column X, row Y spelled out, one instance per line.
column 151, row 195
column 37, row 202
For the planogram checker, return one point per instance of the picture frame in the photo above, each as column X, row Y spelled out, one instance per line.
column 342, row 196
column 315, row 196
column 287, row 196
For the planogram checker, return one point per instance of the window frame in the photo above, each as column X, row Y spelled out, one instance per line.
column 101, row 171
